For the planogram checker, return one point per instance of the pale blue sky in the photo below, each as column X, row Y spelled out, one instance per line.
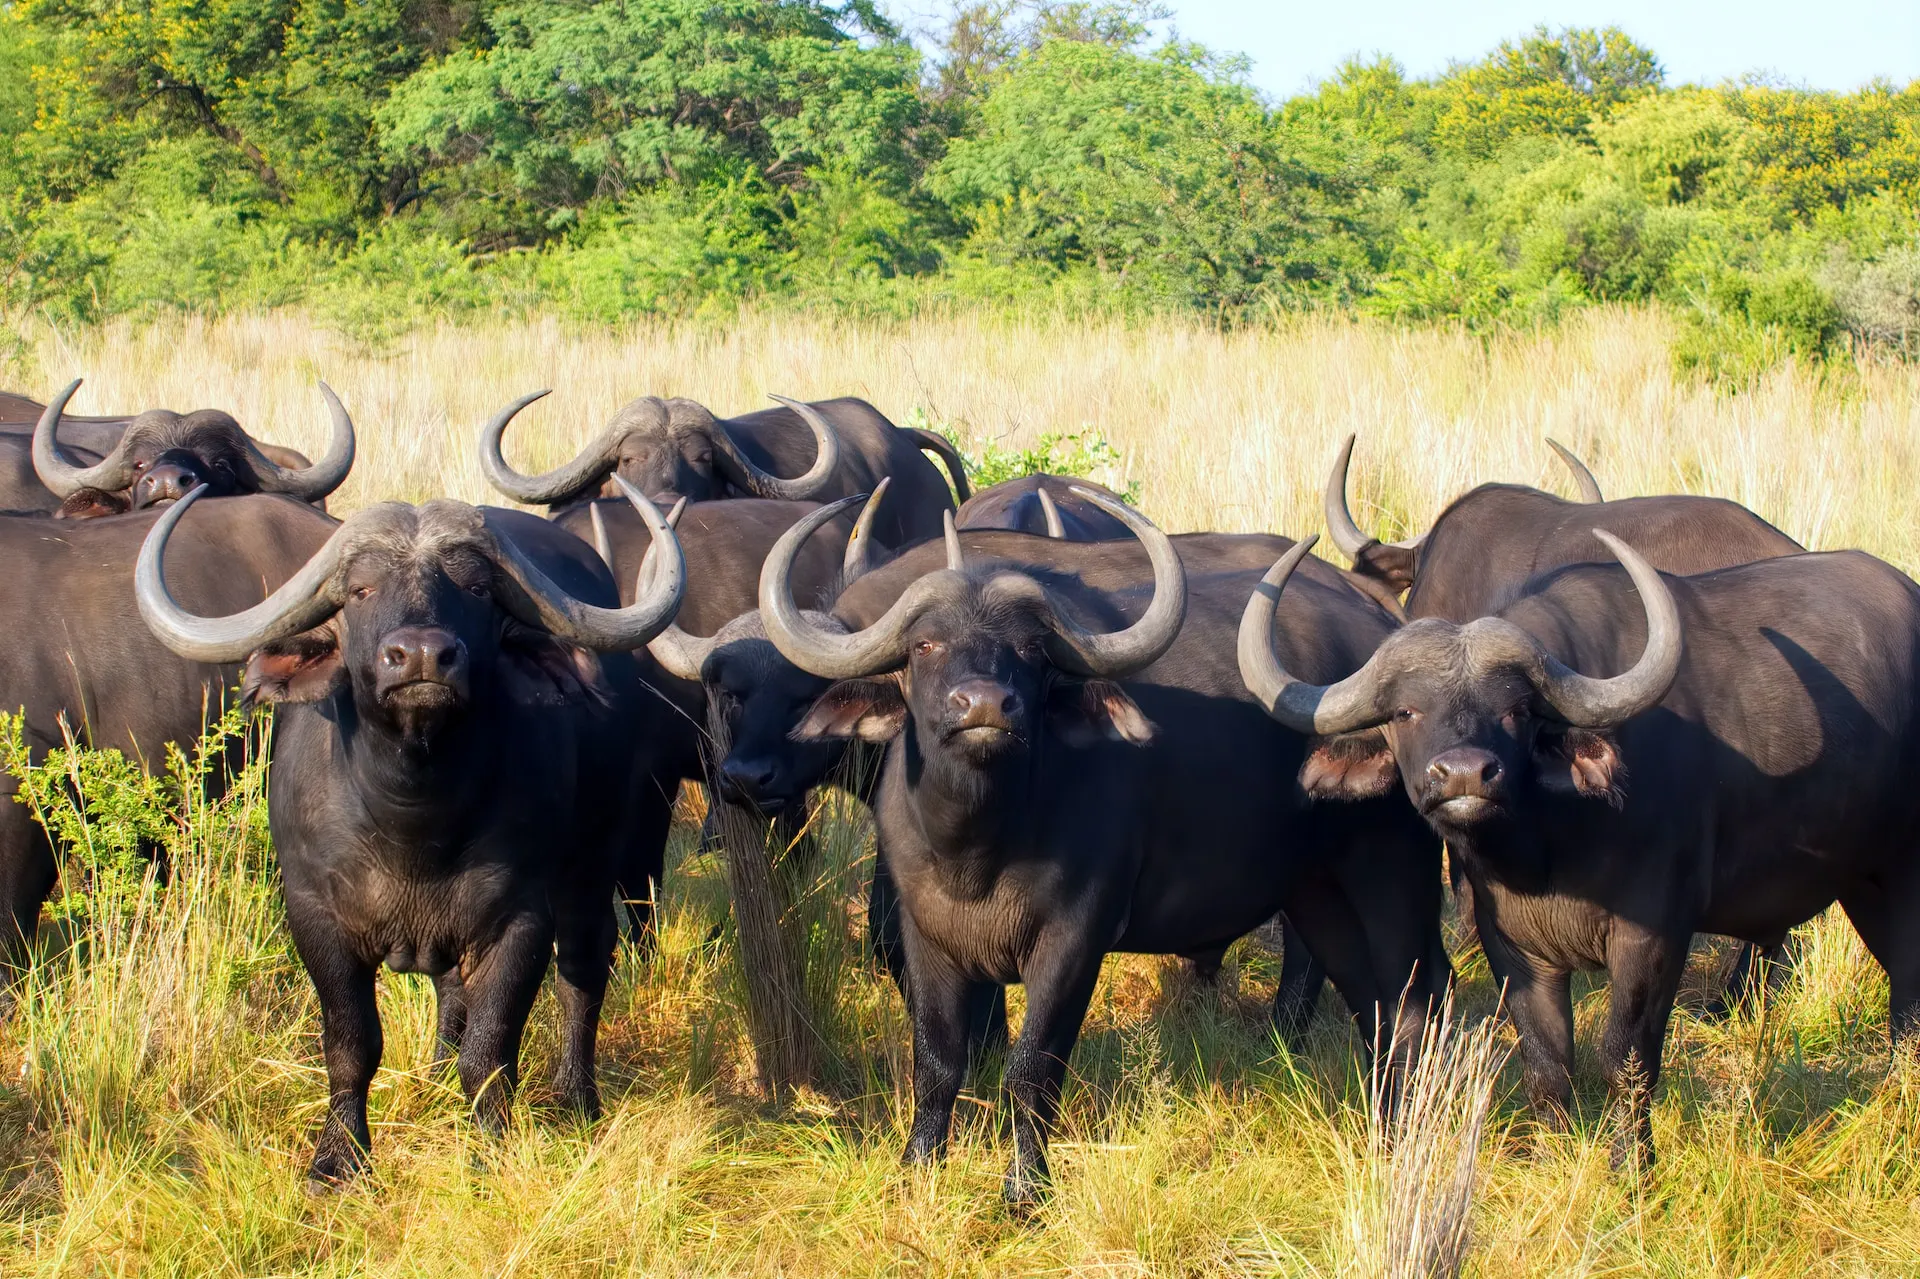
column 1825, row 44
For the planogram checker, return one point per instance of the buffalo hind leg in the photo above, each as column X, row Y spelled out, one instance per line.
column 351, row 1043
column 1059, row 975
column 584, row 935
column 500, row 990
column 1643, row 974
column 1301, row 979
column 450, row 1000
column 1888, row 921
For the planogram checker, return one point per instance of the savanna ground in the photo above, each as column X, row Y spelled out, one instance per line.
column 160, row 1080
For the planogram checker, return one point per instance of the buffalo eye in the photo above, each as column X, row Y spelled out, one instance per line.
column 925, row 647
column 1405, row 715
column 1516, row 717
column 361, row 592
column 480, row 590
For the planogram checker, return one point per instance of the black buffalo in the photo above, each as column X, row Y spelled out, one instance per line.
column 1036, row 814
column 1742, row 756
column 676, row 448
column 1488, row 543
column 1491, row 540
column 1043, row 504
column 162, row 455
column 452, row 779
column 76, row 650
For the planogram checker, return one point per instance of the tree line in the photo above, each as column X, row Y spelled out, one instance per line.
column 381, row 159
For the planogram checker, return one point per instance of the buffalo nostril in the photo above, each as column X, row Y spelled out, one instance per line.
column 394, row 655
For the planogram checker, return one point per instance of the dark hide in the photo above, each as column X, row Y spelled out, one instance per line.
column 78, row 648
column 1032, row 823
column 461, row 818
column 1775, row 777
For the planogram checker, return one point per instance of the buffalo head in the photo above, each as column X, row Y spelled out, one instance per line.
column 1471, row 717
column 664, row 448
column 420, row 613
column 982, row 661
column 165, row 455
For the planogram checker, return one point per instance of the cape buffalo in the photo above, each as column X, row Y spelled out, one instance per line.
column 677, row 448
column 162, row 455
column 76, row 650
column 1491, row 540
column 1488, row 543
column 1036, row 814
column 1738, row 782
column 1042, row 504
column 451, row 779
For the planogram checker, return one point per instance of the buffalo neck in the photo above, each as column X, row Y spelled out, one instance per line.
column 420, row 793
column 971, row 815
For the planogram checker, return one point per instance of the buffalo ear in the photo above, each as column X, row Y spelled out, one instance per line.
column 1350, row 766
column 1390, row 564
column 541, row 669
column 89, row 504
column 1582, row 762
column 873, row 710
column 305, row 668
column 1083, row 712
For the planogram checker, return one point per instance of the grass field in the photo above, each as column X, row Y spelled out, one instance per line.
column 160, row 1079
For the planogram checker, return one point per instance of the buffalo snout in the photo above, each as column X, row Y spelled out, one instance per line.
column 983, row 704
column 426, row 658
column 169, row 479
column 757, row 783
column 1465, row 782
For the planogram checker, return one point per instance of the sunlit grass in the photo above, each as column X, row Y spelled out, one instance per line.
column 160, row 1080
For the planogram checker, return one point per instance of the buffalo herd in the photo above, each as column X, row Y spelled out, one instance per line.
column 1613, row 725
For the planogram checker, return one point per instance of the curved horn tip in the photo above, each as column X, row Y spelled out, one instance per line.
column 1056, row 529
column 956, row 558
column 673, row 516
column 1583, row 479
column 1346, row 533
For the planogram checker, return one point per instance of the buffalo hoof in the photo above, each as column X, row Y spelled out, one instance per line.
column 333, row 1171
column 1025, row 1191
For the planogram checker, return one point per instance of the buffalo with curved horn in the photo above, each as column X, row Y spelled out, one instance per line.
column 1035, row 812
column 1488, row 542
column 1738, row 761
column 163, row 455
column 459, row 766
column 677, row 448
column 78, row 655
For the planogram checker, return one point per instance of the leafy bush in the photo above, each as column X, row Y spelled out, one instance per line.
column 1085, row 453
column 109, row 817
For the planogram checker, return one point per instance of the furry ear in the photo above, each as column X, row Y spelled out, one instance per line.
column 1350, row 766
column 1390, row 564
column 88, row 504
column 539, row 669
column 305, row 668
column 873, row 710
column 1583, row 762
column 1083, row 712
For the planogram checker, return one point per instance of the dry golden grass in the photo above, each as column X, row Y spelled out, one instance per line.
column 1229, row 432
column 160, row 1081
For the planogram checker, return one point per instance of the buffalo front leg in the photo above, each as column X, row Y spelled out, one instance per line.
column 939, row 1006
column 1059, row 976
column 351, row 1043
column 1885, row 916
column 1537, row 998
column 1643, row 969
column 501, row 985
